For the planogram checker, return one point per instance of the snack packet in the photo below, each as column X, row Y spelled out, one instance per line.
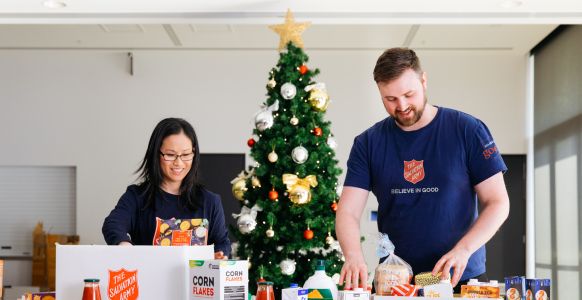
column 392, row 271
column 180, row 232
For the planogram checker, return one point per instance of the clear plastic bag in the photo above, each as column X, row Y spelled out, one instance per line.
column 392, row 271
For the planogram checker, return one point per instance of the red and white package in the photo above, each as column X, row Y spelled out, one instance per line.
column 405, row 290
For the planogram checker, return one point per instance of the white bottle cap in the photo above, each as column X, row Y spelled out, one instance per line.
column 473, row 281
column 494, row 282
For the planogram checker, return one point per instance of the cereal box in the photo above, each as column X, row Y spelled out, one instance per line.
column 219, row 279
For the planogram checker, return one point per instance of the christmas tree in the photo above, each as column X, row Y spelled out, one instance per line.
column 289, row 196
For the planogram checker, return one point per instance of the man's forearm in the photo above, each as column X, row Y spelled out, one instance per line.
column 347, row 229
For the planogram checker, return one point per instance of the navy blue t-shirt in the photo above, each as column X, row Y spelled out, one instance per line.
column 424, row 181
column 129, row 221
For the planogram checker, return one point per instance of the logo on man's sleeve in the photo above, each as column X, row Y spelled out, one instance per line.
column 489, row 151
column 414, row 171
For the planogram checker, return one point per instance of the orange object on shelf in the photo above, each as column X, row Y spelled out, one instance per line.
column 91, row 290
column 265, row 290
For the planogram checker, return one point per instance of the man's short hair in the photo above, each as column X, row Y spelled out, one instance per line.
column 395, row 61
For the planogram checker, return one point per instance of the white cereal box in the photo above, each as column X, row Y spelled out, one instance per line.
column 219, row 279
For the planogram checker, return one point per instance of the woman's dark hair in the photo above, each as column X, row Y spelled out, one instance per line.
column 395, row 61
column 150, row 173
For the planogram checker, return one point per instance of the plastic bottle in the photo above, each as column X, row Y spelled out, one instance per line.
column 320, row 280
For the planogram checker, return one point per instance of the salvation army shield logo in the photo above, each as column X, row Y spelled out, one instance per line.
column 122, row 285
column 414, row 171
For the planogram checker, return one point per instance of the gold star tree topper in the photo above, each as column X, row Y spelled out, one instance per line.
column 290, row 31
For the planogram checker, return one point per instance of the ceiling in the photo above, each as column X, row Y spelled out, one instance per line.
column 503, row 39
column 269, row 11
column 493, row 26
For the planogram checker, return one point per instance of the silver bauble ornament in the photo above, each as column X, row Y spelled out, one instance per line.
column 264, row 120
column 246, row 223
column 288, row 91
column 299, row 154
column 287, row 267
column 272, row 83
column 331, row 142
column 273, row 156
column 270, row 232
column 294, row 121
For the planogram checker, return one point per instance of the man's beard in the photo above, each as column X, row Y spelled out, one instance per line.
column 416, row 115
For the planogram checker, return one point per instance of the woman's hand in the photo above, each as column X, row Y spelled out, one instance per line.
column 220, row 255
column 124, row 243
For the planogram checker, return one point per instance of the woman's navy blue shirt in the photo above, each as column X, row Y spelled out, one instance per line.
column 130, row 221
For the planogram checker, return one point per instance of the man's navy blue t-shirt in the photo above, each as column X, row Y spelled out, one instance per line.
column 130, row 221
column 424, row 182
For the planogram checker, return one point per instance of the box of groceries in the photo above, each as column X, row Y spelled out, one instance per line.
column 219, row 279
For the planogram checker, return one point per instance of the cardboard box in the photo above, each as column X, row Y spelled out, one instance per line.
column 152, row 272
column 219, row 279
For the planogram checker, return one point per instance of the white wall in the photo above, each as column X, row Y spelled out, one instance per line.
column 82, row 108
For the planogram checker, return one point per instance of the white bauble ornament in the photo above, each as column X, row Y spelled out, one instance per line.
column 270, row 232
column 272, row 83
column 294, row 121
column 299, row 154
column 287, row 267
column 288, row 91
column 273, row 156
column 331, row 142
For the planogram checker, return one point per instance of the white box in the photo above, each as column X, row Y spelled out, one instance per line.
column 414, row 298
column 219, row 279
column 153, row 272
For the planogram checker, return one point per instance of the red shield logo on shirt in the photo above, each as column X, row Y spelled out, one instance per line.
column 122, row 285
column 414, row 171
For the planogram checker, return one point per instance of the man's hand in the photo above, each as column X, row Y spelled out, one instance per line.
column 220, row 255
column 355, row 273
column 456, row 259
column 124, row 243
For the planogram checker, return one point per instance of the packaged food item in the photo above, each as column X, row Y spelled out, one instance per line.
column 537, row 289
column 476, row 289
column 294, row 292
column 515, row 288
column 91, row 291
column 355, row 294
column 265, row 291
column 404, row 290
column 426, row 278
column 392, row 271
column 444, row 289
column 180, row 232
column 219, row 279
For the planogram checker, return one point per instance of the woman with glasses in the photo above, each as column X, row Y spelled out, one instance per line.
column 168, row 188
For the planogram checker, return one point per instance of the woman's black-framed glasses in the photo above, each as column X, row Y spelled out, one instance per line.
column 173, row 157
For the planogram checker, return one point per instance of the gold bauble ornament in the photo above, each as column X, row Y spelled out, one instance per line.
column 318, row 99
column 271, row 83
column 329, row 240
column 239, row 187
column 256, row 182
column 299, row 189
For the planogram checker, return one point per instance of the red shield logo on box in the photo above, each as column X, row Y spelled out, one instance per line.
column 122, row 285
column 414, row 171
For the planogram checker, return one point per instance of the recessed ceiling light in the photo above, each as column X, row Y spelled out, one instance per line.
column 511, row 3
column 54, row 4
